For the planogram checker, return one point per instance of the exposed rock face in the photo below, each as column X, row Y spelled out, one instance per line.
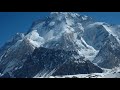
column 108, row 56
column 46, row 62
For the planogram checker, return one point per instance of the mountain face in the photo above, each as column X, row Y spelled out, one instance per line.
column 63, row 43
column 46, row 62
column 108, row 56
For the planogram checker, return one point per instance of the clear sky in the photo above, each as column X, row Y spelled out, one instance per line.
column 13, row 22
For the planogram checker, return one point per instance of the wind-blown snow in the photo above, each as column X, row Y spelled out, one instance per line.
column 95, row 24
column 35, row 39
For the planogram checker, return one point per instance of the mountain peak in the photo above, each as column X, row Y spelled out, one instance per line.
column 64, row 15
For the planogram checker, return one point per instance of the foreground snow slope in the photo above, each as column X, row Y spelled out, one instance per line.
column 108, row 73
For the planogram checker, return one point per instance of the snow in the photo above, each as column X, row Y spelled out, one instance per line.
column 86, row 51
column 49, row 36
column 68, row 29
column 52, row 23
column 18, row 36
column 17, row 44
column 112, row 32
column 38, row 26
column 80, row 26
column 108, row 73
column 2, row 56
column 42, row 73
column 45, row 73
column 1, row 74
column 79, row 61
column 95, row 24
column 74, row 15
column 95, row 75
column 33, row 35
column 69, row 22
column 65, row 13
column 88, row 54
column 85, row 17
column 35, row 39
column 10, row 66
column 109, row 30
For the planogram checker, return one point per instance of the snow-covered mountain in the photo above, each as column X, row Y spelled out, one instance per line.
column 63, row 43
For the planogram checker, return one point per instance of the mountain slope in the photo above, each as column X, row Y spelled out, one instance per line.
column 108, row 56
column 46, row 62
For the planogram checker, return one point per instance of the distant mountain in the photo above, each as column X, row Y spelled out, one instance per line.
column 64, row 43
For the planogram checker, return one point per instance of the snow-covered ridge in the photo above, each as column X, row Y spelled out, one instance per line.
column 64, row 14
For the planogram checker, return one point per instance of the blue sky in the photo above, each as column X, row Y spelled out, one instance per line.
column 13, row 22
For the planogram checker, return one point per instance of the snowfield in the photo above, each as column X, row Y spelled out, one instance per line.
column 108, row 73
